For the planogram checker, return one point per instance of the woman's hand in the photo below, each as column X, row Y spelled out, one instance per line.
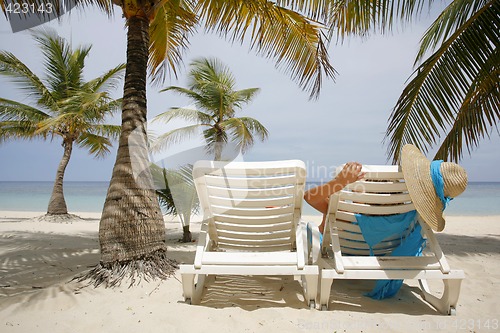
column 350, row 173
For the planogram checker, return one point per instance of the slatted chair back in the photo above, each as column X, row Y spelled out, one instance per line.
column 251, row 206
column 381, row 192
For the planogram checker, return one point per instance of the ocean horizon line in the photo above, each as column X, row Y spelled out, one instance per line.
column 479, row 199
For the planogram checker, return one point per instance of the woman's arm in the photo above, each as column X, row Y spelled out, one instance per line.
column 319, row 196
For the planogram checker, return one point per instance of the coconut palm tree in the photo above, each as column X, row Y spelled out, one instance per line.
column 212, row 89
column 211, row 86
column 455, row 92
column 63, row 105
column 132, row 231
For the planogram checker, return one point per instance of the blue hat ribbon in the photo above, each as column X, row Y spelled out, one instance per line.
column 437, row 180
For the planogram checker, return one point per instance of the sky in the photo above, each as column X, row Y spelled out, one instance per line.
column 347, row 122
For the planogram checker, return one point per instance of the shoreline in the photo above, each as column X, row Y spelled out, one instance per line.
column 38, row 259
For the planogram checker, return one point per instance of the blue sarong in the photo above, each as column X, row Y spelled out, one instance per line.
column 309, row 230
column 377, row 228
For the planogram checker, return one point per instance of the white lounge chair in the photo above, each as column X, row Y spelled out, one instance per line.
column 251, row 224
column 346, row 255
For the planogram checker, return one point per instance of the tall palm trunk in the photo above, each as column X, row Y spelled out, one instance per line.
column 219, row 142
column 57, row 204
column 132, row 225
column 218, row 151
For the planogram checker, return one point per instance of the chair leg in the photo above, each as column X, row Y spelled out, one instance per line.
column 198, row 290
column 188, row 287
column 310, row 284
column 448, row 302
column 192, row 292
column 324, row 295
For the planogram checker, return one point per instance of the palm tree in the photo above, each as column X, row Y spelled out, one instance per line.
column 177, row 194
column 132, row 231
column 212, row 89
column 64, row 105
column 455, row 92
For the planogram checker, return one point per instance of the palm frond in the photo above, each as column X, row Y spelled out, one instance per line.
column 105, row 5
column 200, row 100
column 190, row 115
column 162, row 189
column 452, row 19
column 169, row 31
column 108, row 81
column 111, row 132
column 20, row 74
column 100, row 107
column 175, row 190
column 209, row 72
column 182, row 91
column 214, row 83
column 173, row 137
column 445, row 82
column 244, row 96
column 15, row 130
column 243, row 130
column 296, row 43
column 97, row 145
column 478, row 115
column 183, row 193
column 63, row 66
column 352, row 17
column 166, row 201
column 91, row 107
column 241, row 136
column 59, row 125
column 317, row 10
column 12, row 110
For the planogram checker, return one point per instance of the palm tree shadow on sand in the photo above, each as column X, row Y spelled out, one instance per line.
column 252, row 292
column 34, row 261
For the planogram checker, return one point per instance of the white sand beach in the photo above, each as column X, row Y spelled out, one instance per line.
column 39, row 258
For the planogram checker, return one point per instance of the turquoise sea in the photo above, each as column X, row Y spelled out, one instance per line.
column 480, row 198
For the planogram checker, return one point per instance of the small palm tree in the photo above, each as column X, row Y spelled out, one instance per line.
column 177, row 194
column 212, row 89
column 64, row 105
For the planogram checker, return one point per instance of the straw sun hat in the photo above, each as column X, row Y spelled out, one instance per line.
column 417, row 174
